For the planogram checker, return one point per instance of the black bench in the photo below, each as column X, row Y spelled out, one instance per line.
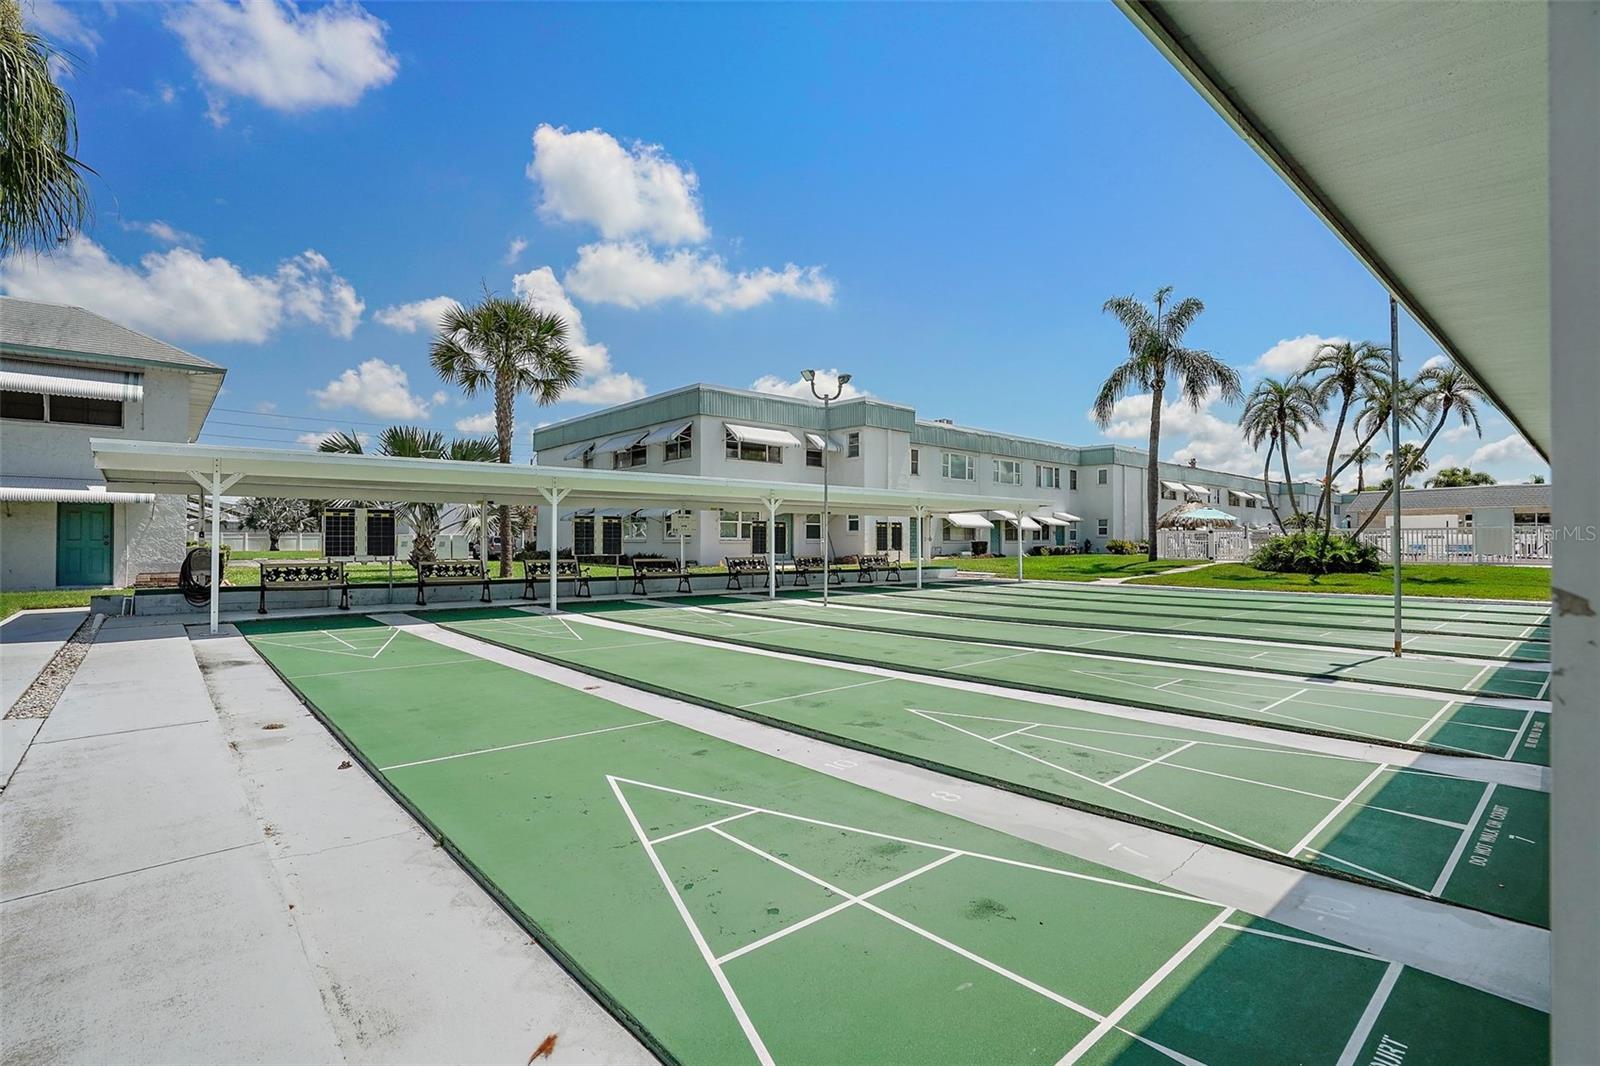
column 645, row 569
column 452, row 572
column 566, row 570
column 878, row 563
column 740, row 565
column 806, row 565
column 302, row 574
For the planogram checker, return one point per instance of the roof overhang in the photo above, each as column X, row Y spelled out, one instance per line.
column 1419, row 134
column 162, row 467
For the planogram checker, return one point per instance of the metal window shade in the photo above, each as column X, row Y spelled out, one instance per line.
column 778, row 438
column 968, row 520
column 1009, row 516
column 577, row 453
column 620, row 443
column 19, row 375
column 1067, row 517
column 662, row 434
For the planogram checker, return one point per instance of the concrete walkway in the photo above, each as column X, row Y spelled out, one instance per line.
column 28, row 640
column 180, row 887
column 1500, row 956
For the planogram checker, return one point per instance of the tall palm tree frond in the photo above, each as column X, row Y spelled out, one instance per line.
column 44, row 198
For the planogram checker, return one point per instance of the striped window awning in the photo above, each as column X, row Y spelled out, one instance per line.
column 777, row 438
column 580, row 451
column 1065, row 517
column 88, row 383
column 64, row 490
column 662, row 434
column 816, row 442
column 620, row 443
column 968, row 520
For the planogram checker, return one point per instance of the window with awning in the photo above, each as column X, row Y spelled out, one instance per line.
column 1066, row 517
column 82, row 382
column 662, row 434
column 621, row 442
column 968, row 520
column 756, row 444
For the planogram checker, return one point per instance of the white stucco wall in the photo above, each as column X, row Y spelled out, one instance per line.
column 27, row 545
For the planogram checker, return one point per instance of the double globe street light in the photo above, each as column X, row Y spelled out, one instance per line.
column 840, row 381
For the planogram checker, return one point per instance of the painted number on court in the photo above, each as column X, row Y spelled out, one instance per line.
column 842, row 764
column 947, row 797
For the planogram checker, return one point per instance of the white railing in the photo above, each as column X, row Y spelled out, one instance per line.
column 1222, row 545
column 1463, row 545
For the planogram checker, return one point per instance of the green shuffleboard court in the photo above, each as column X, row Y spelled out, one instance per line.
column 1446, row 724
column 1467, row 842
column 730, row 907
column 1423, row 609
column 1252, row 624
column 1462, row 677
column 1295, row 616
column 1439, row 723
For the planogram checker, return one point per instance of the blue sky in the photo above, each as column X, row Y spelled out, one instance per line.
column 936, row 198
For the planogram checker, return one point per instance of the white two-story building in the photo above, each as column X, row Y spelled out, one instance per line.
column 1095, row 493
column 67, row 375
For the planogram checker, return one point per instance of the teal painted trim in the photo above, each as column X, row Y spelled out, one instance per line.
column 201, row 366
column 960, row 439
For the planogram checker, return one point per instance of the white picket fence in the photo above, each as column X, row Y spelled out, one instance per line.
column 446, row 545
column 1529, row 544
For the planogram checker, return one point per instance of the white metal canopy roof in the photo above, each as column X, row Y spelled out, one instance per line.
column 162, row 467
column 1419, row 133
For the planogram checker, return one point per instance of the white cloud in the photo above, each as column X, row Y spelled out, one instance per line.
column 631, row 275
column 827, row 383
column 166, row 93
column 376, row 387
column 183, row 296
column 1507, row 450
column 163, row 231
column 1209, row 440
column 1437, row 360
column 60, row 23
column 418, row 315
column 1457, row 434
column 601, row 384
column 281, row 57
column 311, row 440
column 514, row 250
column 588, row 176
column 266, row 407
column 1290, row 356
column 483, row 423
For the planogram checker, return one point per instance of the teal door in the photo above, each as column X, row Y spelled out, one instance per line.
column 83, row 544
column 994, row 538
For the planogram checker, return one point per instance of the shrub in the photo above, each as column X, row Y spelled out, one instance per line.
column 1124, row 547
column 1296, row 553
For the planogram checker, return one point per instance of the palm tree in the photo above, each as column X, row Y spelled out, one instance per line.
column 1279, row 412
column 43, row 196
column 1155, row 355
column 1412, row 461
column 1452, row 477
column 1360, row 455
column 1347, row 370
column 1441, row 392
column 414, row 442
column 506, row 347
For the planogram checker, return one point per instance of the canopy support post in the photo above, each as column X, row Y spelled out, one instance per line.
column 1394, row 448
column 681, row 557
column 772, row 503
column 922, row 541
column 555, row 496
column 216, row 485
column 483, row 535
column 1018, row 524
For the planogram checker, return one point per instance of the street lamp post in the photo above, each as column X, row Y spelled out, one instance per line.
column 840, row 382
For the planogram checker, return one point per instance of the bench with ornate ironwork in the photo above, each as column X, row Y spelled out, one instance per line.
column 740, row 565
column 537, row 570
column 304, row 574
column 451, row 572
column 647, row 569
column 870, row 566
column 806, row 565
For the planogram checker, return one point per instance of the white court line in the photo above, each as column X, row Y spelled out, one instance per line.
column 818, row 692
column 1527, row 720
column 697, row 828
column 1461, row 844
column 756, row 1044
column 851, row 899
column 1110, row 1021
column 1339, row 948
column 521, row 744
column 1338, row 809
column 1423, row 728
column 335, row 636
column 1369, row 1017
column 1151, row 762
column 932, row 716
column 1019, row 863
column 1368, row 870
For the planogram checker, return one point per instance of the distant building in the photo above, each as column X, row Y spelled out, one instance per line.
column 1460, row 507
column 713, row 431
column 67, row 375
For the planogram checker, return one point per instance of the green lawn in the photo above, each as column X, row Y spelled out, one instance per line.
column 12, row 602
column 1417, row 579
column 1065, row 567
